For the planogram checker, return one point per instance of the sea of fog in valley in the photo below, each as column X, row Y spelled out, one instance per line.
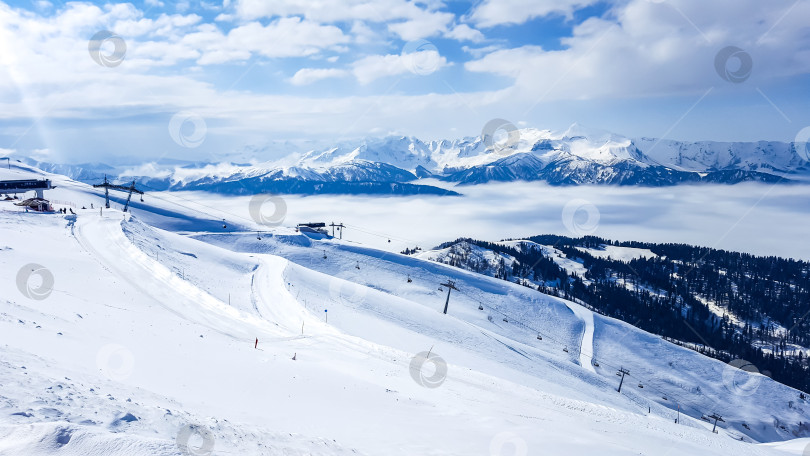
column 762, row 219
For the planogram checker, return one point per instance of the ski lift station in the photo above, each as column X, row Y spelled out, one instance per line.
column 38, row 203
column 319, row 228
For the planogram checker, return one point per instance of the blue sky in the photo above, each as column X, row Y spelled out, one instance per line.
column 257, row 73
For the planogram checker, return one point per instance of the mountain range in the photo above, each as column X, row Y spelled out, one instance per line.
column 401, row 165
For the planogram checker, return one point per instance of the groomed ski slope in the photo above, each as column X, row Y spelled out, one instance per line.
column 147, row 331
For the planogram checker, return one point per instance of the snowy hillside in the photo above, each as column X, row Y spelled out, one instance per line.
column 119, row 338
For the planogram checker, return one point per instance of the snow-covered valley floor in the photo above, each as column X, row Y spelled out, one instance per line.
column 146, row 338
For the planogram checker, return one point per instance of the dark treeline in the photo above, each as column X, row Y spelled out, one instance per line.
column 669, row 295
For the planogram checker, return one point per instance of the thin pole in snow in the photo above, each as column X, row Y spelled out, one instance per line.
column 716, row 418
column 624, row 372
column 450, row 286
column 326, row 315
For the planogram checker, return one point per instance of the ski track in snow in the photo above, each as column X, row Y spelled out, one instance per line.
column 586, row 342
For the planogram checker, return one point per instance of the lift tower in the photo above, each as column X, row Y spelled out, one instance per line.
column 106, row 185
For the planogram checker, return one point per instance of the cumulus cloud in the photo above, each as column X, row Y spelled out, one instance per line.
column 638, row 48
column 306, row 76
column 464, row 32
column 657, row 48
column 490, row 13
column 285, row 37
column 373, row 67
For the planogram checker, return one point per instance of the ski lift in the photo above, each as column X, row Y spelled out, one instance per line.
column 480, row 307
column 358, row 265
column 142, row 198
column 505, row 319
column 640, row 385
column 664, row 398
column 258, row 236
column 409, row 278
column 324, row 254
column 441, row 289
column 595, row 363
column 539, row 337
column 565, row 349
column 224, row 225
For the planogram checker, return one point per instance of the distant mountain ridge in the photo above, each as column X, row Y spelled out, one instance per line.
column 576, row 156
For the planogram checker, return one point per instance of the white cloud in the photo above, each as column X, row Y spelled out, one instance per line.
column 373, row 67
column 490, row 13
column 153, row 3
column 285, row 37
column 638, row 49
column 652, row 49
column 182, row 6
column 362, row 33
column 482, row 51
column 464, row 32
column 423, row 25
column 410, row 20
column 43, row 5
column 306, row 76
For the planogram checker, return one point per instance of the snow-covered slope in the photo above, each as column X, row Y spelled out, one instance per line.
column 147, row 337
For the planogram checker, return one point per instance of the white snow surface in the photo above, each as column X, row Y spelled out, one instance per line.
column 147, row 331
column 619, row 253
